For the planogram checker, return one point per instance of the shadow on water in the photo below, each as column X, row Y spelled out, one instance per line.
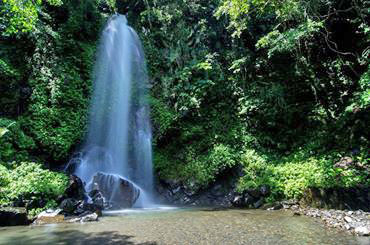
column 77, row 237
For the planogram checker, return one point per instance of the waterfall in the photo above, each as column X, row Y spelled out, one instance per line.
column 119, row 138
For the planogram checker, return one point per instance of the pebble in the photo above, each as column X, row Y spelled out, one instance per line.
column 348, row 219
column 356, row 222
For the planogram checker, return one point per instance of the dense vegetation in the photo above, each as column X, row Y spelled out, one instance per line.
column 278, row 90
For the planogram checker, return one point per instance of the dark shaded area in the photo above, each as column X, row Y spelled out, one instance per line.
column 338, row 198
column 78, row 237
column 13, row 217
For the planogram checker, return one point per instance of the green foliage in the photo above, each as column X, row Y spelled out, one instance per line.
column 281, row 75
column 203, row 170
column 47, row 92
column 29, row 181
column 362, row 98
column 21, row 16
column 241, row 12
column 280, row 87
column 7, row 70
column 162, row 116
column 290, row 176
column 14, row 143
column 281, row 43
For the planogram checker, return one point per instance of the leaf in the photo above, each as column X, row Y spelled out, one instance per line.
column 3, row 131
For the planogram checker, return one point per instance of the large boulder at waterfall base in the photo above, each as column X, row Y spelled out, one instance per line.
column 118, row 192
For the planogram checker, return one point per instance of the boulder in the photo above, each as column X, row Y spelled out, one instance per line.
column 69, row 205
column 86, row 207
column 237, row 201
column 97, row 199
column 89, row 218
column 13, row 217
column 265, row 190
column 118, row 192
column 272, row 206
column 75, row 188
column 259, row 203
column 86, row 217
column 49, row 217
column 248, row 200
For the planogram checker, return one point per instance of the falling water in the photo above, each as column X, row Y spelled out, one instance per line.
column 119, row 135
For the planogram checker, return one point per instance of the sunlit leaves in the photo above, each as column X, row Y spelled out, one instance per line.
column 21, row 15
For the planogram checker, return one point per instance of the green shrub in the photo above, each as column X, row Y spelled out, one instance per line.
column 290, row 176
column 29, row 181
column 203, row 170
column 15, row 145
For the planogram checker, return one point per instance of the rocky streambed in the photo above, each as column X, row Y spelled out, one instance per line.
column 356, row 222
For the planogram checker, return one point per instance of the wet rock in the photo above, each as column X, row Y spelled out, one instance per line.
column 238, row 201
column 97, row 199
column 84, row 207
column 69, row 205
column 217, row 191
column 248, row 200
column 75, row 188
column 49, row 217
column 265, row 190
column 190, row 189
column 273, row 206
column 86, row 217
column 13, row 217
column 362, row 231
column 120, row 192
column 89, row 218
column 176, row 190
column 259, row 203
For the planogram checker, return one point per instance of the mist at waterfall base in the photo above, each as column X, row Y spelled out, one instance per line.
column 118, row 142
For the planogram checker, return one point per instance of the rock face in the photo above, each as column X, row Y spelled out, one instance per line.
column 338, row 198
column 13, row 217
column 253, row 198
column 115, row 191
column 177, row 193
column 75, row 188
column 222, row 193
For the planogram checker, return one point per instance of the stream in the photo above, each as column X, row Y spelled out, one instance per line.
column 185, row 226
